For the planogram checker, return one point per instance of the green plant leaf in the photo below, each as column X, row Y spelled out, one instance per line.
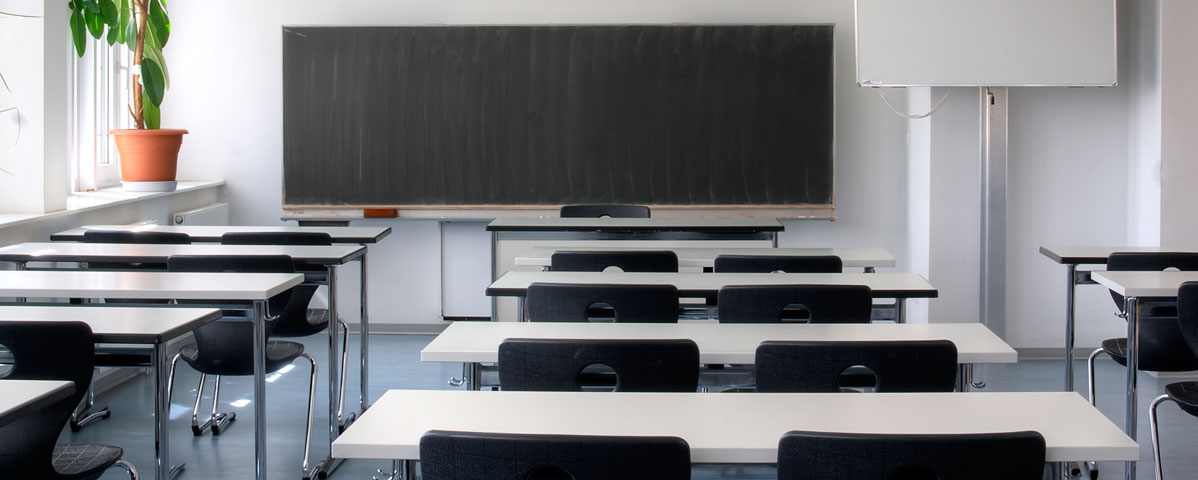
column 154, row 53
column 124, row 15
column 159, row 23
column 95, row 24
column 112, row 35
column 131, row 33
column 79, row 30
column 108, row 12
column 150, row 113
column 92, row 6
column 151, row 80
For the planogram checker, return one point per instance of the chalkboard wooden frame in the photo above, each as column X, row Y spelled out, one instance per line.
column 310, row 77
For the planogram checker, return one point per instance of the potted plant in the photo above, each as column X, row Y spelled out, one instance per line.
column 149, row 154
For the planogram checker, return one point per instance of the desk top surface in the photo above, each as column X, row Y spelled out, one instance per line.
column 533, row 224
column 705, row 256
column 154, row 285
column 1097, row 255
column 131, row 252
column 750, row 424
column 1144, row 284
column 146, row 325
column 205, row 233
column 22, row 397
column 478, row 342
column 884, row 285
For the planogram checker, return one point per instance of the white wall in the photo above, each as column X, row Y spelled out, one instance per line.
column 1179, row 100
column 1067, row 153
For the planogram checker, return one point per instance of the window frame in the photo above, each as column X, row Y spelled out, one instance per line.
column 99, row 96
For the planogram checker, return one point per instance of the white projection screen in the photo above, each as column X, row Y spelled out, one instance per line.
column 997, row 43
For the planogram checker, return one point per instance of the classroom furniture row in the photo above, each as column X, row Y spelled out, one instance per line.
column 316, row 265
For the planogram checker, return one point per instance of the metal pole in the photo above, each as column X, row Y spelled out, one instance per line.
column 259, row 318
column 1069, row 327
column 993, row 273
column 364, row 338
column 1131, row 307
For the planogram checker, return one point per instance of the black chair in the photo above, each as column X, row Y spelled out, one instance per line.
column 298, row 319
column 497, row 456
column 627, row 260
column 860, row 456
column 596, row 211
column 62, row 351
column 1184, row 394
column 778, row 263
column 897, row 366
column 1162, row 346
column 87, row 412
column 558, row 302
column 561, row 365
column 226, row 346
column 784, row 303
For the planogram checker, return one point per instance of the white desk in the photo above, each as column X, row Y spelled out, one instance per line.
column 1071, row 257
column 707, row 285
column 152, row 326
column 512, row 237
column 227, row 287
column 1134, row 286
column 323, row 258
column 750, row 424
column 475, row 343
column 698, row 257
column 19, row 398
column 205, row 233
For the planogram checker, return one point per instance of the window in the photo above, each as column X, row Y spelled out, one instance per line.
column 100, row 99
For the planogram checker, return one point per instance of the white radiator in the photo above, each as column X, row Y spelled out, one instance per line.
column 215, row 214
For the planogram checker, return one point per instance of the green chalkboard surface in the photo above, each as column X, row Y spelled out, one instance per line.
column 502, row 116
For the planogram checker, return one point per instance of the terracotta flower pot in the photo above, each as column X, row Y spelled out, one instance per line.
column 148, row 158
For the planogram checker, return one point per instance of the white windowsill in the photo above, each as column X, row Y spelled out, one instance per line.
column 107, row 197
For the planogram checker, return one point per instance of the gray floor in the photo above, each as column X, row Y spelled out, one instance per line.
column 395, row 364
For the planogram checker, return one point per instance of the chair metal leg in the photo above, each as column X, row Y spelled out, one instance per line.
column 1156, row 437
column 198, row 428
column 311, row 413
column 1090, row 371
column 128, row 468
column 344, row 363
column 84, row 414
column 1091, row 466
column 220, row 421
column 170, row 379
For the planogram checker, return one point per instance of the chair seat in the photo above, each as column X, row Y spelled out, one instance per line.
column 317, row 321
column 1185, row 394
column 84, row 462
column 1117, row 349
column 278, row 354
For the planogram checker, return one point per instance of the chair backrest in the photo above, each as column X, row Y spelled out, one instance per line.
column 226, row 345
column 294, row 319
column 778, row 263
column 560, row 302
column 497, row 456
column 558, row 365
column 898, row 366
column 628, row 261
column 43, row 351
column 1162, row 346
column 121, row 236
column 856, row 456
column 1148, row 262
column 276, row 238
column 613, row 211
column 768, row 303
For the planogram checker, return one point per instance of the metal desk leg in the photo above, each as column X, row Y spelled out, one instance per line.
column 259, row 317
column 364, row 335
column 409, row 470
column 1069, row 328
column 964, row 377
column 163, row 470
column 494, row 273
column 520, row 310
column 1131, row 306
column 900, row 314
column 325, row 467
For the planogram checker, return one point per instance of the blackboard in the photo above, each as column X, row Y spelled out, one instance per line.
column 505, row 116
